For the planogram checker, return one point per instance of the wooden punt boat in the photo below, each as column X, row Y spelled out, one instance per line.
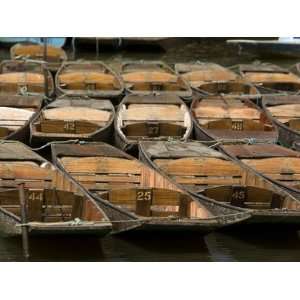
column 16, row 113
column 73, row 118
column 276, row 163
column 154, row 117
column 284, row 111
column 25, row 77
column 88, row 78
column 144, row 77
column 270, row 78
column 219, row 118
column 200, row 74
column 136, row 197
column 54, row 55
column 55, row 204
column 204, row 171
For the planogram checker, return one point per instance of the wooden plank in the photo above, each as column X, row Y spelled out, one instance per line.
column 161, row 129
column 285, row 110
column 77, row 207
column 149, row 76
column 123, row 196
column 101, row 165
column 208, row 180
column 165, row 197
column 24, row 171
column 69, row 127
column 184, row 207
column 275, row 165
column 230, row 112
column 71, row 113
column 107, row 178
column 104, row 186
column 160, row 112
column 200, row 167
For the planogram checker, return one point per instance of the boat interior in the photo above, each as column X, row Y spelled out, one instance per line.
column 270, row 77
column 50, row 195
column 16, row 111
column 229, row 117
column 201, row 73
column 151, row 117
column 21, row 77
column 74, row 118
column 149, row 76
column 127, row 183
column 287, row 114
column 82, row 76
column 36, row 51
column 219, row 178
column 228, row 88
column 274, row 161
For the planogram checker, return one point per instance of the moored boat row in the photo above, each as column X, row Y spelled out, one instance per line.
column 178, row 185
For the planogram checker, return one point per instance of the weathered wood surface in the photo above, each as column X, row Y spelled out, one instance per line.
column 130, row 187
column 87, row 78
column 23, row 77
column 200, row 73
column 206, row 171
column 73, row 118
column 153, row 76
column 217, row 117
column 32, row 51
column 52, row 198
column 148, row 117
column 273, row 161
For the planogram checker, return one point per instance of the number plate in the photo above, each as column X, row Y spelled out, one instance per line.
column 237, row 125
column 35, row 195
column 153, row 129
column 70, row 127
column 239, row 196
column 144, row 195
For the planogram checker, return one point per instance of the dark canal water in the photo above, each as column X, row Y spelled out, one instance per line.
column 242, row 246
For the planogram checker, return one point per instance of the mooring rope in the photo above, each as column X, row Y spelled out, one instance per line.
column 57, row 142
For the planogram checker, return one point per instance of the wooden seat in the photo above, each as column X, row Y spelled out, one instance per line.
column 83, row 80
column 103, row 173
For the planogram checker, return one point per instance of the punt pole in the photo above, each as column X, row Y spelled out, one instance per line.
column 25, row 241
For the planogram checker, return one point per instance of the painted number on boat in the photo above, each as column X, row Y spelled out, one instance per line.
column 144, row 195
column 239, row 194
column 237, row 125
column 35, row 195
column 70, row 127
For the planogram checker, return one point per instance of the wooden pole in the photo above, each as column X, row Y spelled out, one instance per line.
column 25, row 241
column 45, row 69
